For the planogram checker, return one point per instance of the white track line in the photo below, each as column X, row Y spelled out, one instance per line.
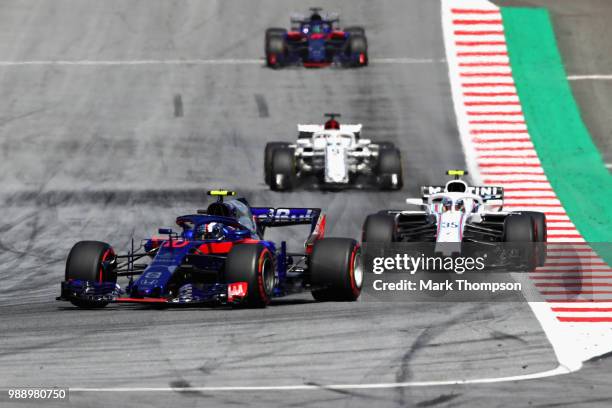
column 228, row 61
column 135, row 62
column 309, row 387
column 407, row 61
column 583, row 77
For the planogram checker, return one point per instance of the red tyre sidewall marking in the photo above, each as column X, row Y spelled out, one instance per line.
column 356, row 291
column 108, row 252
column 260, row 282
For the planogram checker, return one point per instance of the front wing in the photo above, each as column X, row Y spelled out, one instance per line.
column 217, row 293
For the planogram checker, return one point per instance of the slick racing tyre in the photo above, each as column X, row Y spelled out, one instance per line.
column 390, row 169
column 335, row 269
column 539, row 223
column 91, row 261
column 355, row 30
column 283, row 169
column 379, row 228
column 385, row 145
column 519, row 229
column 268, row 159
column 357, row 50
column 275, row 31
column 275, row 46
column 253, row 264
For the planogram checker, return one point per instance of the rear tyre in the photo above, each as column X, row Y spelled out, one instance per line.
column 336, row 270
column 91, row 261
column 275, row 47
column 379, row 228
column 390, row 169
column 519, row 229
column 268, row 159
column 253, row 264
column 539, row 224
column 283, row 169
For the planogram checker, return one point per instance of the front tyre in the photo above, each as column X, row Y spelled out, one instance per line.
column 336, row 270
column 379, row 228
column 390, row 169
column 283, row 169
column 357, row 50
column 253, row 264
column 385, row 145
column 91, row 261
column 355, row 30
column 270, row 147
column 275, row 47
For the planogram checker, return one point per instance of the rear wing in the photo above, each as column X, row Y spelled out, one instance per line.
column 489, row 194
column 306, row 130
column 282, row 217
column 299, row 18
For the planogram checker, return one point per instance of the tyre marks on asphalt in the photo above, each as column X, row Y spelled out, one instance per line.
column 441, row 399
column 499, row 151
column 262, row 106
column 178, row 106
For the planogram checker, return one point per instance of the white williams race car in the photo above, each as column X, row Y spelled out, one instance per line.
column 457, row 213
column 336, row 155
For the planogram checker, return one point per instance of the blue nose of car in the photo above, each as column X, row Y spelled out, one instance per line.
column 316, row 49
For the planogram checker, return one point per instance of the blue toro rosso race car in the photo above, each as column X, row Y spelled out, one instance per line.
column 316, row 41
column 219, row 256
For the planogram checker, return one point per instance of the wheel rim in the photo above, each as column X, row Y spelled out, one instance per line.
column 357, row 270
column 267, row 273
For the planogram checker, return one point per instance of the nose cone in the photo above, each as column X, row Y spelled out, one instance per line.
column 450, row 226
column 146, row 291
column 336, row 169
column 316, row 48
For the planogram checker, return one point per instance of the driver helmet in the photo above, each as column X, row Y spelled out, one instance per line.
column 447, row 204
column 332, row 124
column 460, row 206
column 212, row 230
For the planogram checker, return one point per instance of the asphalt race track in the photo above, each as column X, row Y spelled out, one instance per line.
column 121, row 137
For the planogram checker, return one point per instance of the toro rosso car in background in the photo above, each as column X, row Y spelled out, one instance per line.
column 336, row 155
column 457, row 213
column 316, row 41
column 218, row 256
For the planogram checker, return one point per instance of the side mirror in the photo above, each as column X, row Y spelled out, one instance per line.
column 165, row 231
